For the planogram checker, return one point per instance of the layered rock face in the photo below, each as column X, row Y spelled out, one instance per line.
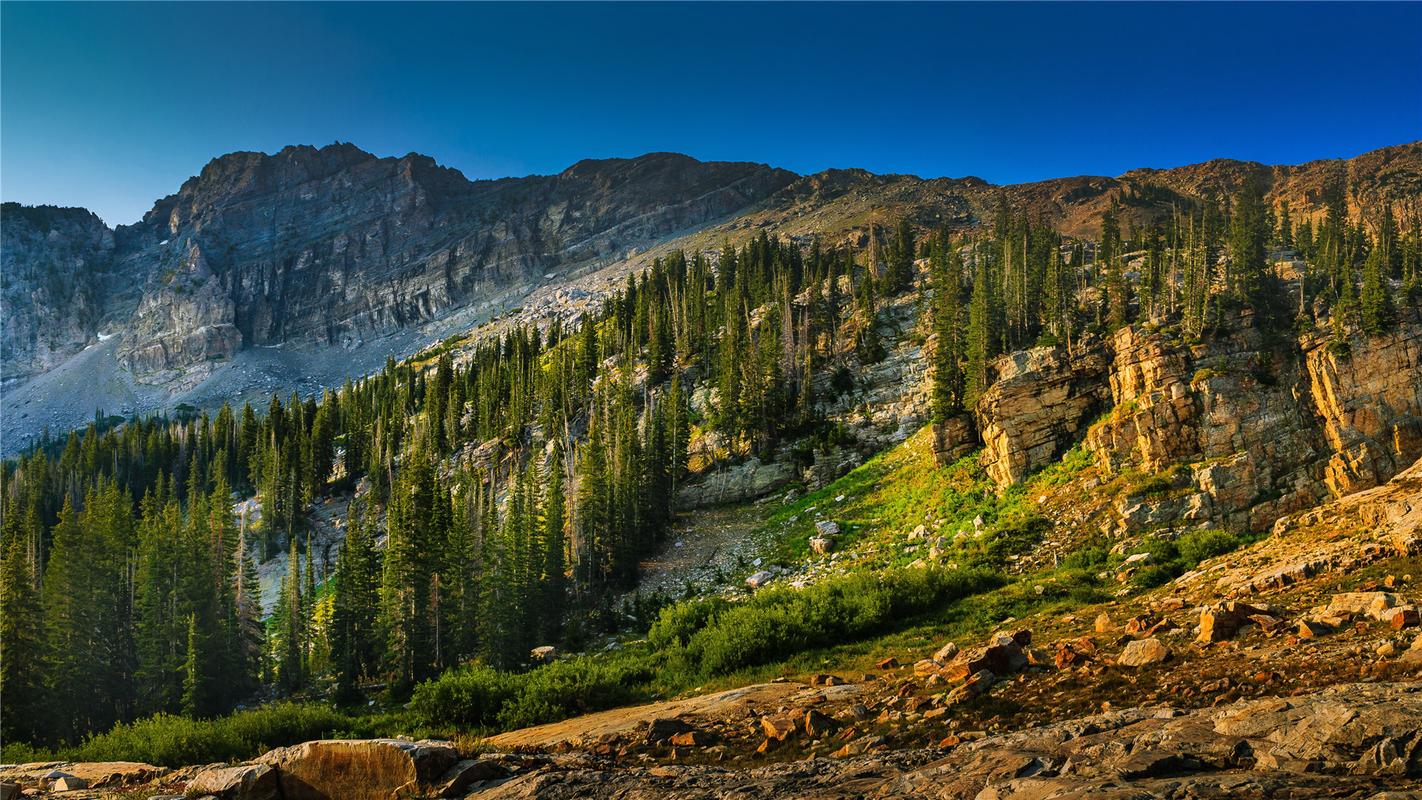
column 1040, row 404
column 54, row 285
column 326, row 246
column 1241, row 429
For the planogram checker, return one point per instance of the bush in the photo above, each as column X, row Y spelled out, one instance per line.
column 778, row 623
column 479, row 696
column 1198, row 546
column 169, row 740
column 676, row 624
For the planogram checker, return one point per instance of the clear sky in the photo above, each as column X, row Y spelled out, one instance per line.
column 110, row 106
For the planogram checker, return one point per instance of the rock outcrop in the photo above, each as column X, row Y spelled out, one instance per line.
column 1241, row 429
column 1039, row 405
column 323, row 247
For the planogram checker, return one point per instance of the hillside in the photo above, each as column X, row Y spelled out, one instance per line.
column 311, row 266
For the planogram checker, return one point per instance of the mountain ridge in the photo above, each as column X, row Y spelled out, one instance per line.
column 330, row 249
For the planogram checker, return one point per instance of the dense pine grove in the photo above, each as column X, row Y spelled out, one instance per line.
column 506, row 496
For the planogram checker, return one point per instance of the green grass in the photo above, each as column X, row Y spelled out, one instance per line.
column 891, row 494
column 169, row 740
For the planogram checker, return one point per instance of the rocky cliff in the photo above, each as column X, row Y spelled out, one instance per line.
column 325, row 247
column 55, row 285
column 1232, row 431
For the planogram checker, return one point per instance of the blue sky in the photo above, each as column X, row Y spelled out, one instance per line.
column 110, row 106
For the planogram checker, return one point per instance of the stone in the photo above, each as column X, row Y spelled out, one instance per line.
column 542, row 654
column 946, row 653
column 1073, row 653
column 760, row 579
column 1312, row 629
column 777, row 726
column 825, row 679
column 690, row 739
column 1001, row 656
column 1143, row 652
column 925, row 667
column 827, row 528
column 821, row 545
column 663, row 728
column 1220, row 621
column 1372, row 605
column 68, row 783
column 358, row 769
column 888, row 663
column 818, row 724
column 242, row 782
column 1103, row 623
column 1402, row 617
column 466, row 772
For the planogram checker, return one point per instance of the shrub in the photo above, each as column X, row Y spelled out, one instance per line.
column 778, row 623
column 482, row 697
column 471, row 696
column 676, row 624
column 1198, row 546
column 169, row 740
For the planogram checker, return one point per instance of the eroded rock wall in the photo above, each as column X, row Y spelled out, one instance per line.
column 1241, row 428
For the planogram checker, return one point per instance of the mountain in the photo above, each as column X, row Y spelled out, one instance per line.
column 312, row 265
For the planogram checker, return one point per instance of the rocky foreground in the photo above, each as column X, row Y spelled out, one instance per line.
column 1355, row 740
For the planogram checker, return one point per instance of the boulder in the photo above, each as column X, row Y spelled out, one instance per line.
column 690, row 739
column 1220, row 622
column 242, row 782
column 817, row 724
column 359, row 769
column 1402, row 617
column 821, row 545
column 827, row 528
column 1143, row 652
column 1373, row 605
column 946, row 653
column 1001, row 656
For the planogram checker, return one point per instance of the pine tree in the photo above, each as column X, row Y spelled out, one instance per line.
column 947, row 325
column 982, row 332
column 22, row 661
column 1375, row 300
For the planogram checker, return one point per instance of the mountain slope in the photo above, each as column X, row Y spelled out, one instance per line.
column 318, row 252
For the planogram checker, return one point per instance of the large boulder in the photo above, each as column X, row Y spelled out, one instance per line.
column 242, row 782
column 359, row 769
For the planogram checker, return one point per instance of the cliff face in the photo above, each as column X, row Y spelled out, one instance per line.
column 54, row 285
column 1239, row 430
column 326, row 246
